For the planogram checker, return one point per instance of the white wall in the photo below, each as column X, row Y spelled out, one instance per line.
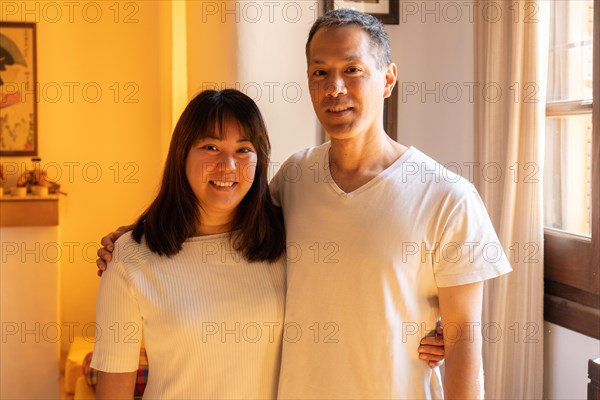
column 257, row 47
column 437, row 55
column 566, row 356
column 272, row 66
column 29, row 313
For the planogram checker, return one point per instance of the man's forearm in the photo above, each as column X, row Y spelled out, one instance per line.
column 463, row 378
column 460, row 308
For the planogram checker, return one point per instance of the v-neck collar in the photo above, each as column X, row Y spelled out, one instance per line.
column 366, row 186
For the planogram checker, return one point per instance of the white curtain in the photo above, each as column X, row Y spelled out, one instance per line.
column 511, row 68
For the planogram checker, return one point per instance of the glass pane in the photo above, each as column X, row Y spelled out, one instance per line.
column 568, row 174
column 570, row 57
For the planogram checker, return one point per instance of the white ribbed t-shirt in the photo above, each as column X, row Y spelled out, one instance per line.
column 364, row 270
column 211, row 322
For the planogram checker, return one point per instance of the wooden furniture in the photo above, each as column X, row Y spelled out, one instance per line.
column 29, row 301
column 28, row 210
column 594, row 383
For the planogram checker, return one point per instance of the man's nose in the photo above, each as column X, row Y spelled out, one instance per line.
column 335, row 86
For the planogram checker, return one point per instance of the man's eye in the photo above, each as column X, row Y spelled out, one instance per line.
column 353, row 70
column 319, row 72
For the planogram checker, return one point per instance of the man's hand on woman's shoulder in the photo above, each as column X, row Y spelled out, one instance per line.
column 108, row 246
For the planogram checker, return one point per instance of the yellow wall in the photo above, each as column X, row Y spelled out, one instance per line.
column 212, row 51
column 104, row 149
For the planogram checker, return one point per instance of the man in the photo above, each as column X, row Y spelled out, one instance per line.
column 381, row 240
column 399, row 235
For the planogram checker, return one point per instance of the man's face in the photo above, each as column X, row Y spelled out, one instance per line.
column 347, row 88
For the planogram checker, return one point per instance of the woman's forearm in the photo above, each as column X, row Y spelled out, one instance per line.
column 115, row 385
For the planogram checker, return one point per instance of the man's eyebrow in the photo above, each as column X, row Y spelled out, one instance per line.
column 317, row 61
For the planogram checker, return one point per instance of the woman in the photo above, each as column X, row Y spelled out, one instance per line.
column 202, row 273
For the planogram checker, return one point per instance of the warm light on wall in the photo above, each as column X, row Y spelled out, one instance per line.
column 179, row 60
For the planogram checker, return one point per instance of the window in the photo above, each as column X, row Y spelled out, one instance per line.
column 571, row 169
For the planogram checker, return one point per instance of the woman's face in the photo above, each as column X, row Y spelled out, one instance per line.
column 220, row 170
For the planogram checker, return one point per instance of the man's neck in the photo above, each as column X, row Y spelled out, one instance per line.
column 355, row 161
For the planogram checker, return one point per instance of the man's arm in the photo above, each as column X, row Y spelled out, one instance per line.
column 460, row 308
column 115, row 385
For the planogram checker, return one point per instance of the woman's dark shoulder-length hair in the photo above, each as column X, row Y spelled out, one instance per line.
column 258, row 232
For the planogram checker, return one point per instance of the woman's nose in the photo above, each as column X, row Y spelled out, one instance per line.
column 226, row 163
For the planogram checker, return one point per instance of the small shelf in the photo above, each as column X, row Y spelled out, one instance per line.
column 28, row 211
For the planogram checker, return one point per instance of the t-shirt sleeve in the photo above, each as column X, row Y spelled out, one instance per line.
column 468, row 250
column 118, row 321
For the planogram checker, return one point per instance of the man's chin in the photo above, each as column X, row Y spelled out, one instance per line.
column 341, row 134
column 340, row 131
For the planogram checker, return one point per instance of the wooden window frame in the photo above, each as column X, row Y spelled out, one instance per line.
column 572, row 262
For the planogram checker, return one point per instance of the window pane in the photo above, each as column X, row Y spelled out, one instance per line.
column 570, row 57
column 568, row 174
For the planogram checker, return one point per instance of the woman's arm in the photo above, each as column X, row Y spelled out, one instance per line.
column 115, row 385
column 118, row 328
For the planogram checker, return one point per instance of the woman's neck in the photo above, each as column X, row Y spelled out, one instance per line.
column 205, row 230
column 212, row 224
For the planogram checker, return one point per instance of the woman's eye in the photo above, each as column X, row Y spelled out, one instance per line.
column 353, row 70
column 245, row 150
column 209, row 147
column 319, row 72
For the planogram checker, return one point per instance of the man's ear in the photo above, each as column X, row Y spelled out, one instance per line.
column 391, row 73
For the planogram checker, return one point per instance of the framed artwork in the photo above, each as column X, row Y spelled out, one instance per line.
column 18, row 89
column 388, row 11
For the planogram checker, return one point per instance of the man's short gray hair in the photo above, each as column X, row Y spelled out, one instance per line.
column 371, row 25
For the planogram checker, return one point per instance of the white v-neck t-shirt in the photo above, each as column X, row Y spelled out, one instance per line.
column 364, row 270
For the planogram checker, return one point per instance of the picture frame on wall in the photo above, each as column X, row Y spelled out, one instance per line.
column 388, row 11
column 18, row 89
